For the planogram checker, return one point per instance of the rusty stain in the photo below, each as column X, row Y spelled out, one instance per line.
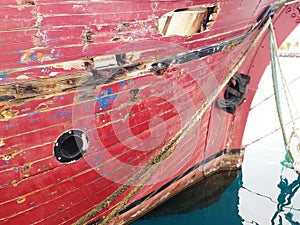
column 27, row 166
column 45, row 166
column 21, row 199
column 11, row 155
column 7, row 113
column 28, row 3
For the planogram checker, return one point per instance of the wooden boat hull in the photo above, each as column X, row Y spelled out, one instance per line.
column 98, row 102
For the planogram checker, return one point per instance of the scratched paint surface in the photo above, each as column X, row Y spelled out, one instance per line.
column 79, row 65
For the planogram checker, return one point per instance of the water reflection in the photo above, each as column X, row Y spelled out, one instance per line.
column 198, row 196
column 209, row 202
column 285, row 199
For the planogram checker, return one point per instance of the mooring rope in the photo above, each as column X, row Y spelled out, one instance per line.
column 167, row 150
column 274, row 64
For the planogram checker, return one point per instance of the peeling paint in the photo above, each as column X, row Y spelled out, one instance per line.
column 22, row 77
column 32, row 56
column 106, row 98
column 7, row 113
column 3, row 77
column 11, row 155
column 21, row 199
column 40, row 39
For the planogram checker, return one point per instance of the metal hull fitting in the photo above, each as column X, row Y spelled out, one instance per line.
column 107, row 109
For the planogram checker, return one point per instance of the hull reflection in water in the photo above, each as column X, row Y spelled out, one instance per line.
column 201, row 195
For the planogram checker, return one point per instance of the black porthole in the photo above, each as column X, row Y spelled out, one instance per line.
column 71, row 146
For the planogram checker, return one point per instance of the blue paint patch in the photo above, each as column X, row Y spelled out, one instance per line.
column 1, row 167
column 106, row 98
column 35, row 120
column 4, row 185
column 45, row 70
column 62, row 114
column 38, row 57
column 3, row 77
column 123, row 82
column 33, row 113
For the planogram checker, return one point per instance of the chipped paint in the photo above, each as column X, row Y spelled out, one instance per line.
column 40, row 39
column 76, row 64
column 27, row 166
column 22, row 77
column 21, row 199
column 32, row 56
column 106, row 98
column 7, row 113
column 3, row 77
column 11, row 155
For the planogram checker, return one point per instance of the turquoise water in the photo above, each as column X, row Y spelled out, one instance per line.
column 264, row 192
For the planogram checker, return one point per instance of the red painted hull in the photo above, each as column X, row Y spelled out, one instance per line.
column 90, row 66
